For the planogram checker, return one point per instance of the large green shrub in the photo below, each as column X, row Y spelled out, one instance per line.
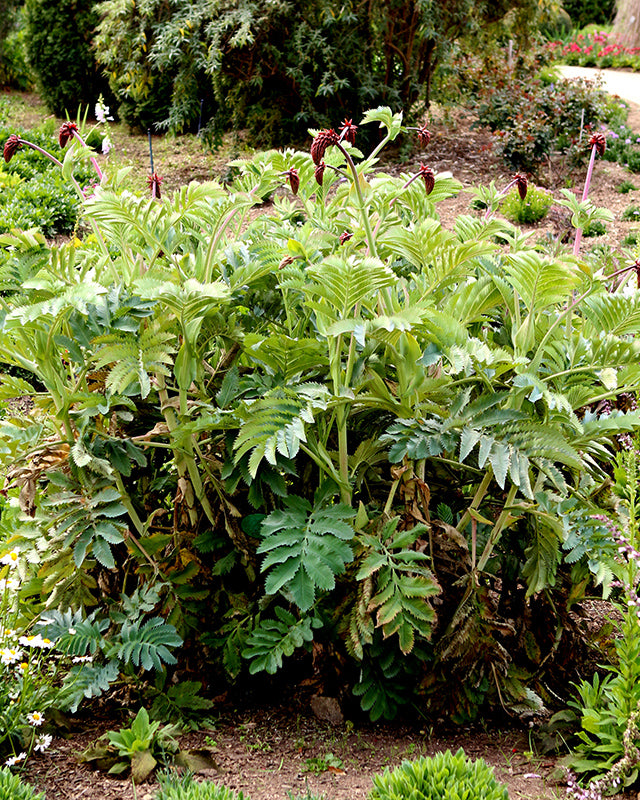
column 441, row 777
column 243, row 421
column 59, row 48
column 586, row 12
column 277, row 68
column 14, row 71
column 12, row 788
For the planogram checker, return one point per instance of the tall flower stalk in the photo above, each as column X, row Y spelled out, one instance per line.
column 598, row 146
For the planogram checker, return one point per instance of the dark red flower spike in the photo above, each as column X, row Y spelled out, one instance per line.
column 11, row 146
column 348, row 131
column 319, row 145
column 66, row 132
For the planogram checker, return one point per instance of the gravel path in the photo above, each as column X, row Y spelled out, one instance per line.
column 625, row 84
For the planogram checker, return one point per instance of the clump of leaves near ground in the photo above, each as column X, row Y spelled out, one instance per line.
column 437, row 777
column 528, row 210
column 186, row 788
column 335, row 422
column 136, row 749
column 12, row 788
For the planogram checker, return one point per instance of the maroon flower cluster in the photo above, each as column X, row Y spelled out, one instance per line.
column 67, row 130
column 522, row 185
column 154, row 181
column 319, row 145
column 428, row 176
column 348, row 131
column 11, row 146
column 293, row 178
column 424, row 136
column 598, row 140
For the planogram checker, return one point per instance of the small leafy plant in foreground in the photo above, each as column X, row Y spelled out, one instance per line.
column 533, row 208
column 173, row 787
column 138, row 748
column 439, row 777
column 625, row 187
column 12, row 788
column 320, row 764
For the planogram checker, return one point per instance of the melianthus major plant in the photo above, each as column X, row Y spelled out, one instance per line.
column 307, row 425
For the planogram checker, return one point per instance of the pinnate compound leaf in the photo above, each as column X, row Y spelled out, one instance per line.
column 403, row 584
column 147, row 645
column 273, row 639
column 305, row 549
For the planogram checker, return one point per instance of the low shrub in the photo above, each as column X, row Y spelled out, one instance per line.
column 532, row 119
column 39, row 197
column 175, row 788
column 12, row 788
column 532, row 209
column 595, row 228
column 441, row 776
column 623, row 146
column 631, row 213
column 625, row 187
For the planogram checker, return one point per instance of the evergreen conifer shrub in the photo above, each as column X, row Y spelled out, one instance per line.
column 59, row 49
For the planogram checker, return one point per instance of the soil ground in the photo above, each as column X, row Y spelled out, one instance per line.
column 276, row 753
column 265, row 752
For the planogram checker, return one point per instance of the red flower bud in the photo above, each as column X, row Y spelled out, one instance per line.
column 154, row 182
column 294, row 179
column 323, row 140
column 424, row 136
column 319, row 172
column 427, row 175
column 345, row 236
column 598, row 141
column 66, row 132
column 348, row 131
column 521, row 184
column 11, row 146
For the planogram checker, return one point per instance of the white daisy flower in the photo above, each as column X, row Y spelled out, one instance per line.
column 35, row 718
column 11, row 762
column 9, row 655
column 11, row 558
column 43, row 742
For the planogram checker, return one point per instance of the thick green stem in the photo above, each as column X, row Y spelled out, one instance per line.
column 500, row 525
column 363, row 209
column 477, row 498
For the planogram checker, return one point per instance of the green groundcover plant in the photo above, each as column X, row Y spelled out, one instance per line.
column 335, row 424
column 12, row 788
column 173, row 787
column 437, row 777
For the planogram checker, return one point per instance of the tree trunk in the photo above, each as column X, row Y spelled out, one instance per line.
column 626, row 28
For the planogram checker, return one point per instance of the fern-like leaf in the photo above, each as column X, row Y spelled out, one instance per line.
column 305, row 549
column 273, row 639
